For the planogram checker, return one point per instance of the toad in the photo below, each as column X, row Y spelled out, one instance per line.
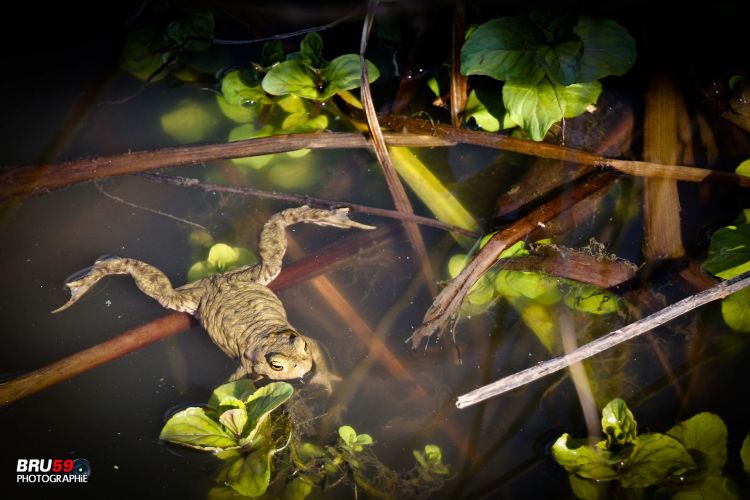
column 241, row 314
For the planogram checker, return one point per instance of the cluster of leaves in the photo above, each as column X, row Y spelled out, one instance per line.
column 550, row 65
column 235, row 426
column 729, row 256
column 351, row 459
column 179, row 48
column 537, row 287
column 221, row 258
column 686, row 461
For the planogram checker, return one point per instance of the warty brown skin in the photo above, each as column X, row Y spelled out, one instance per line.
column 240, row 313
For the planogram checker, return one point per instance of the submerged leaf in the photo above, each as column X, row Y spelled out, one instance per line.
column 711, row 488
column 191, row 121
column 706, row 435
column 193, row 428
column 347, row 434
column 745, row 454
column 590, row 299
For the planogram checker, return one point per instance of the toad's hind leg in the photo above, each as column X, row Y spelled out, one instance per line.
column 272, row 244
column 150, row 280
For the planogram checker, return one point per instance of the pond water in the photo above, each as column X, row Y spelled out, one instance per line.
column 113, row 414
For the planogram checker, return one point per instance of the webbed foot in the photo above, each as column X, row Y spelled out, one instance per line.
column 81, row 281
column 335, row 218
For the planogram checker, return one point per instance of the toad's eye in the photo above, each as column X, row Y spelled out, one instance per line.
column 275, row 365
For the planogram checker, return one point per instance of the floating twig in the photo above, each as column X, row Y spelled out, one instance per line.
column 447, row 303
column 309, row 200
column 398, row 193
column 608, row 341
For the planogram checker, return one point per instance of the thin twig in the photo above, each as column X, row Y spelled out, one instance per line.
column 292, row 34
column 458, row 83
column 610, row 340
column 309, row 200
column 151, row 210
column 38, row 179
column 448, row 302
column 398, row 193
column 555, row 152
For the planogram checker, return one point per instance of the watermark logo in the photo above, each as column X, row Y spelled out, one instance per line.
column 52, row 470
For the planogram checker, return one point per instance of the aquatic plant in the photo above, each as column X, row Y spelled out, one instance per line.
column 686, row 461
column 551, row 66
column 729, row 256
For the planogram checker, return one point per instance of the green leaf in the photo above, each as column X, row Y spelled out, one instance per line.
column 343, row 74
column 238, row 114
column 536, row 107
column 142, row 53
column 656, row 458
column 195, row 31
column 704, row 434
column 487, row 110
column 198, row 271
column 347, row 434
column 504, row 49
column 745, row 454
column 608, row 48
column 193, row 428
column 590, row 299
column 743, row 168
column 291, row 77
column 294, row 175
column 579, row 96
column 618, row 423
column 729, row 252
column 536, row 286
column 711, row 488
column 238, row 93
column 221, row 256
column 363, row 440
column 432, row 460
column 735, row 309
column 533, row 106
column 298, row 489
column 191, row 121
column 561, row 61
column 226, row 394
column 248, row 475
column 234, row 420
column 577, row 457
column 586, row 489
column 250, row 131
column 273, row 52
column 311, row 48
column 263, row 402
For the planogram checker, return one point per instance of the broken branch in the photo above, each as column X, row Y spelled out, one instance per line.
column 610, row 340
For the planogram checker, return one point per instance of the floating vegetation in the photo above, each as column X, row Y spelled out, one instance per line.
column 685, row 462
column 256, row 443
